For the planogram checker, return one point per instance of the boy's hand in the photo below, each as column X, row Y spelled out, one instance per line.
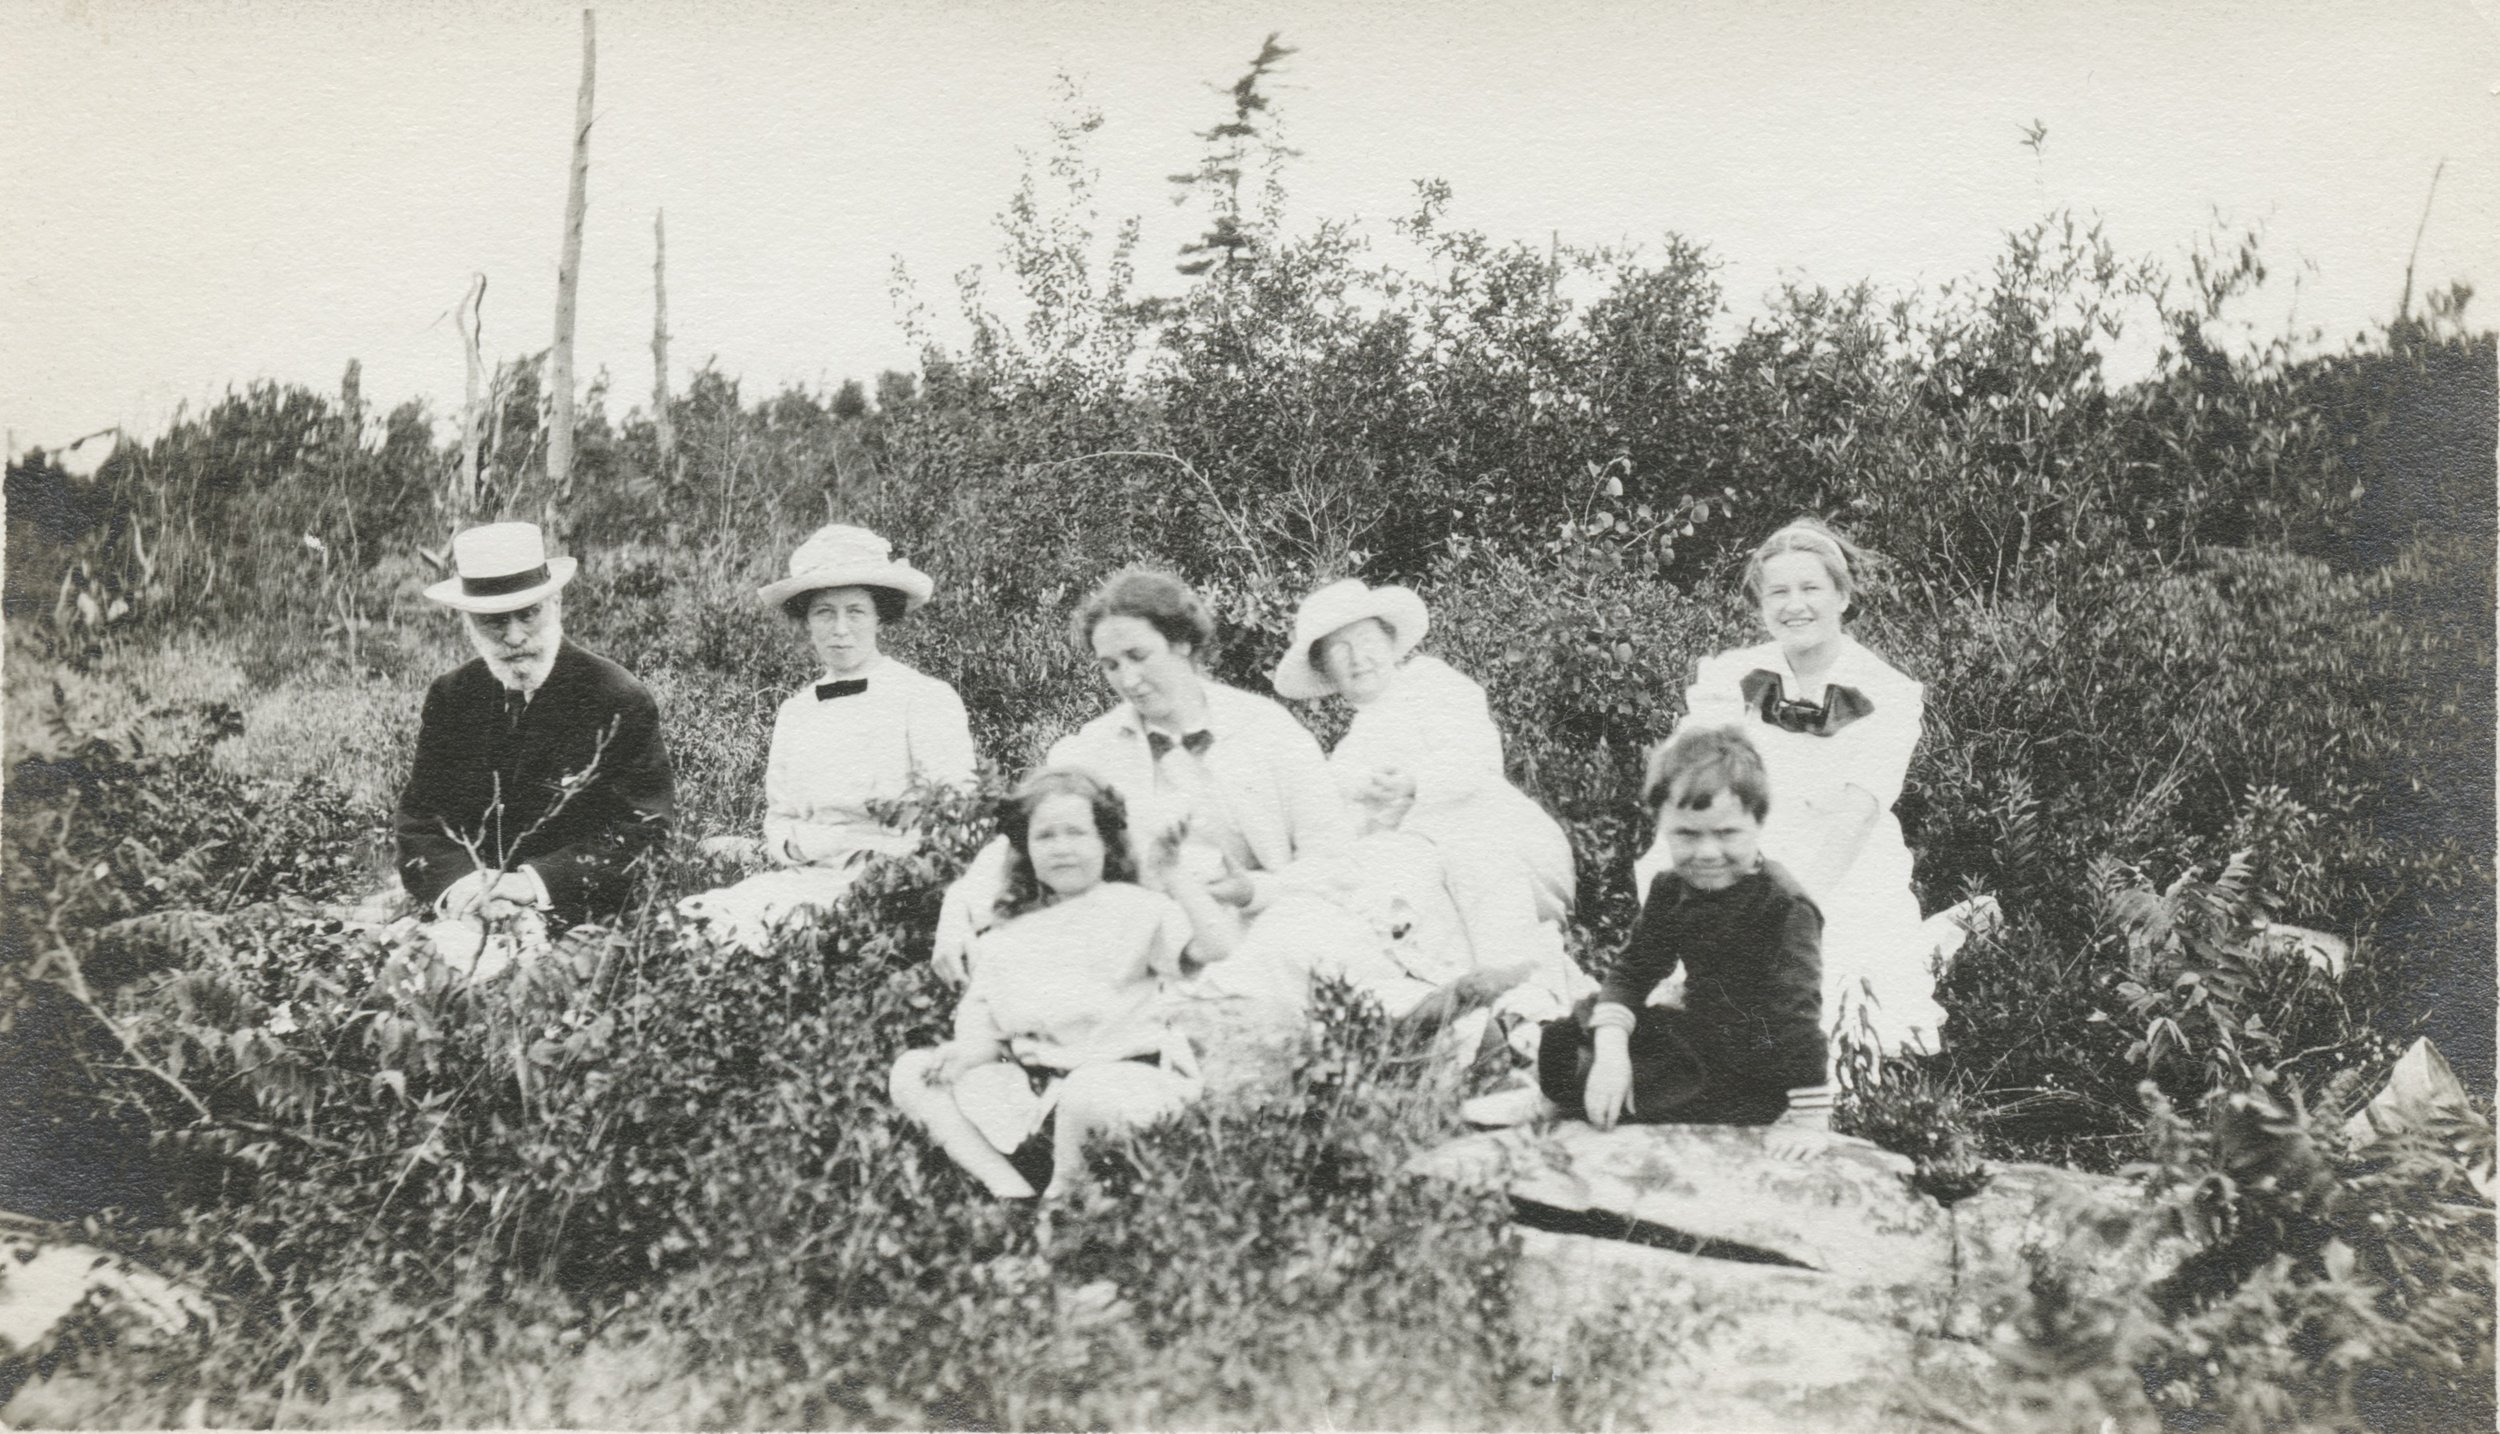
column 1609, row 1091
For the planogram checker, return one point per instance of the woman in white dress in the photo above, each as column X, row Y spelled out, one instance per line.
column 861, row 733
column 1423, row 759
column 1836, row 726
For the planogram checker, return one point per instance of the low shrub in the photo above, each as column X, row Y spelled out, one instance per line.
column 2322, row 1284
column 656, row 1141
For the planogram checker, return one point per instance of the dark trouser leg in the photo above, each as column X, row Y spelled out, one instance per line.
column 1669, row 1081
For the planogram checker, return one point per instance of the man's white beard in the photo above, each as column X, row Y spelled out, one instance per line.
column 528, row 674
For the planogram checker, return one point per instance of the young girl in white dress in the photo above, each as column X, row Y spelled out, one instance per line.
column 1062, row 1035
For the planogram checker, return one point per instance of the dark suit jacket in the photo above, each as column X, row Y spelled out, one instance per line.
column 493, row 772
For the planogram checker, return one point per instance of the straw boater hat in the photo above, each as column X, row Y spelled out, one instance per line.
column 1340, row 603
column 841, row 556
column 500, row 567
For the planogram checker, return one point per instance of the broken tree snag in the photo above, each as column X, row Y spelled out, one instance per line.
column 569, row 279
column 659, row 338
column 466, row 318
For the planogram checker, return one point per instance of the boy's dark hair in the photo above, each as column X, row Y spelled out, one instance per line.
column 890, row 603
column 1698, row 763
column 1022, row 891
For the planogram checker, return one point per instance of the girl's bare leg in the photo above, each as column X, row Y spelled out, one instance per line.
column 1100, row 1100
column 933, row 1107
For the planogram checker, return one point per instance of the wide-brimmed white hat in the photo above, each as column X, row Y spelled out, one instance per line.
column 1345, row 601
column 500, row 567
column 841, row 556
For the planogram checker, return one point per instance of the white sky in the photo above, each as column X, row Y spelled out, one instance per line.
column 193, row 196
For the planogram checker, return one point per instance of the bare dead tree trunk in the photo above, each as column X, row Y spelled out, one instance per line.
column 569, row 279
column 659, row 340
column 472, row 409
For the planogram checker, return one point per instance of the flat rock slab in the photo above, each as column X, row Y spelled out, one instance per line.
column 1846, row 1210
column 41, row 1281
column 1715, row 1344
column 2070, row 1219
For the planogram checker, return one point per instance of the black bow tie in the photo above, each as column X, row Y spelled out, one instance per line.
column 1198, row 741
column 1768, row 695
column 827, row 691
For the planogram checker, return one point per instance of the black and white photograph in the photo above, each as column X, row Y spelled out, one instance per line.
column 1328, row 714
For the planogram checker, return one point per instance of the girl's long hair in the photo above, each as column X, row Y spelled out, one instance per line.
column 1023, row 891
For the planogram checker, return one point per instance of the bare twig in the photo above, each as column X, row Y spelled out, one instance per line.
column 2404, row 302
column 1241, row 534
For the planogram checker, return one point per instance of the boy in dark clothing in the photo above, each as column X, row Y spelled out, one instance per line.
column 1746, row 1047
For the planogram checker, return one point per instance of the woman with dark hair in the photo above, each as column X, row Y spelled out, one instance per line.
column 1242, row 791
column 1837, row 727
column 861, row 733
column 1060, row 1037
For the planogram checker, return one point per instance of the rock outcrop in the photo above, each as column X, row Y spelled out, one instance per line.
column 1815, row 1291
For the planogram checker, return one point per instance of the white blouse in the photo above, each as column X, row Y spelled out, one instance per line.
column 831, row 756
column 1872, row 752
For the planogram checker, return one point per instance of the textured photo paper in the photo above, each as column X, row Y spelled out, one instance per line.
column 350, row 231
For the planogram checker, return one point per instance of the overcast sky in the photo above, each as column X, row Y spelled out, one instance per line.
column 193, row 196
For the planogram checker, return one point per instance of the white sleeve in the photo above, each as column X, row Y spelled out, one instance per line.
column 974, row 1022
column 1881, row 744
column 1169, row 935
column 940, row 735
column 1450, row 742
column 1716, row 698
column 967, row 909
column 785, row 826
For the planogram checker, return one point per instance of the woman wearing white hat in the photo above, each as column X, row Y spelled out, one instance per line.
column 859, row 734
column 1424, row 759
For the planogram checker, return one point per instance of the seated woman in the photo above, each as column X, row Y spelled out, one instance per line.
column 861, row 734
column 1243, row 789
column 1836, row 726
column 1061, row 1037
column 1423, row 758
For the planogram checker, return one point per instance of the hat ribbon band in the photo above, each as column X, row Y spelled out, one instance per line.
column 507, row 583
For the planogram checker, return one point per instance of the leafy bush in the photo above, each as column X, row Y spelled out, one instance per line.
column 2323, row 1285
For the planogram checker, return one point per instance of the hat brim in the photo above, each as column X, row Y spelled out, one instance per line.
column 448, row 592
column 1397, row 608
column 913, row 584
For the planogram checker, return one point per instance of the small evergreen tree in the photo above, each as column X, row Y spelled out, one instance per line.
column 1248, row 137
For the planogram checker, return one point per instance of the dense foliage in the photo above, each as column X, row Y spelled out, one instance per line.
column 2202, row 650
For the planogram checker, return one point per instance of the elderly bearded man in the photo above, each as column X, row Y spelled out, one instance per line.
column 540, row 773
